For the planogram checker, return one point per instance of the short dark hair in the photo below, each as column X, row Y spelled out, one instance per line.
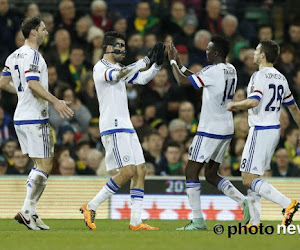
column 110, row 38
column 271, row 50
column 221, row 45
column 173, row 144
column 30, row 23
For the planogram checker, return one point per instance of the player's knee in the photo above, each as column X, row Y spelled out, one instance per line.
column 247, row 182
column 209, row 175
column 128, row 172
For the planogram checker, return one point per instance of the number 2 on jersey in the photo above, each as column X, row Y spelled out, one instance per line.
column 276, row 92
column 20, row 88
column 230, row 92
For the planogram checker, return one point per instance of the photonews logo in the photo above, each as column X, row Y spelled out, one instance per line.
column 259, row 229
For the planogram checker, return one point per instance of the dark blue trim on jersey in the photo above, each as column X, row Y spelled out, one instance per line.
column 289, row 103
column 254, row 97
column 118, row 130
column 267, row 127
column 193, row 82
column 26, row 122
column 110, row 74
column 214, row 136
column 4, row 73
column 34, row 78
column 134, row 77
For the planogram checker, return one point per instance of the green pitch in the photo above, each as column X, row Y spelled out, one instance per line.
column 113, row 234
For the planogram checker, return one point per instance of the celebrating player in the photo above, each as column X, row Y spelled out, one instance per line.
column 27, row 69
column 215, row 128
column 123, row 149
column 268, row 89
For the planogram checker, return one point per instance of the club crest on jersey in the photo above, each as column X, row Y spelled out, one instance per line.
column 33, row 68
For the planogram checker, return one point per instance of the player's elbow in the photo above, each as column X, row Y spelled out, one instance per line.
column 253, row 103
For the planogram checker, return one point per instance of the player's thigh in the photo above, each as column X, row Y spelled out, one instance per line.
column 22, row 138
column 137, row 150
column 220, row 151
column 203, row 148
column 118, row 152
column 258, row 151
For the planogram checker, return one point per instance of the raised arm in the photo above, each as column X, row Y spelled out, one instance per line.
column 181, row 78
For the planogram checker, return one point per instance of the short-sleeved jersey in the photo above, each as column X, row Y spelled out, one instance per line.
column 219, row 83
column 112, row 97
column 271, row 88
column 26, row 64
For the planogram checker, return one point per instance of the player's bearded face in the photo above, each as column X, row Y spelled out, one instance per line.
column 41, row 34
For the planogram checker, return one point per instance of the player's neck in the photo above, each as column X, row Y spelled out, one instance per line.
column 109, row 58
column 265, row 65
column 31, row 44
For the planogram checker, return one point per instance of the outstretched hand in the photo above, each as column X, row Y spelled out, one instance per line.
column 172, row 52
column 160, row 53
column 152, row 54
column 63, row 110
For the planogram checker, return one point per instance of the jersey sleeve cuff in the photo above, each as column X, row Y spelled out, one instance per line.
column 32, row 78
column 196, row 81
column 254, row 97
column 5, row 73
column 289, row 103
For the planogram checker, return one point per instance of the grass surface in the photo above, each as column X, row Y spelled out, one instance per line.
column 114, row 234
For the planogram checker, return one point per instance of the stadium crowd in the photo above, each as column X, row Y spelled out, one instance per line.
column 164, row 115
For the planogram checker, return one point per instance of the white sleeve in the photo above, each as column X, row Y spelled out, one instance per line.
column 205, row 77
column 32, row 65
column 142, row 78
column 288, row 98
column 6, row 70
column 256, row 87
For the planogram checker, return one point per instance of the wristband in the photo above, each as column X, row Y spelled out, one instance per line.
column 183, row 69
column 173, row 62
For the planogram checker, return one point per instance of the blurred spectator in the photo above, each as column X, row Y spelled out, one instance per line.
column 52, row 79
column 21, row 166
column 150, row 169
column 173, row 23
column 230, row 31
column 32, row 10
column 83, row 26
column 8, row 149
column 94, row 159
column 81, row 117
column 296, row 85
column 264, row 32
column 186, row 35
column 88, row 94
column 135, row 43
column 241, row 126
column 282, row 166
column 213, row 18
column 177, row 129
column 291, row 144
column 294, row 35
column 119, row 24
column 93, row 135
column 198, row 51
column 3, row 165
column 184, row 161
column 99, row 15
column 19, row 40
column 95, row 38
column 9, row 26
column 71, row 71
column 150, row 39
column 161, row 127
column 66, row 136
column 6, row 127
column 49, row 23
column 149, row 112
column 286, row 61
column 136, row 117
column 67, row 167
column 60, row 52
column 82, row 151
column 153, row 154
column 247, row 70
column 143, row 21
column 187, row 114
column 66, row 18
column 172, row 163
column 60, row 153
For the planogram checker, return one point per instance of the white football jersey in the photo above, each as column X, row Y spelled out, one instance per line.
column 112, row 97
column 271, row 88
column 219, row 83
column 26, row 64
